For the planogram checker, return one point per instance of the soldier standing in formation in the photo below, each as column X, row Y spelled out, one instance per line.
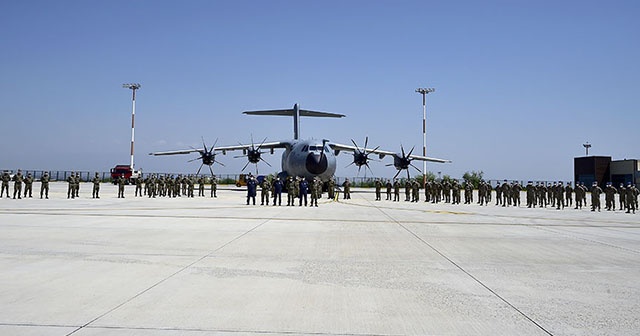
column 17, row 184
column 76, row 184
column 6, row 178
column 595, row 196
column 277, row 191
column 138, row 183
column 559, row 195
column 316, row 190
column 290, row 191
column 96, row 186
column 252, row 186
column 378, row 185
column 121, row 183
column 631, row 197
column 346, row 185
column 70, row 188
column 201, row 182
column 531, row 195
column 28, row 185
column 622, row 193
column 265, row 187
column 304, row 190
column 568, row 191
column 609, row 197
column 214, row 186
column 389, row 189
column 331, row 188
column 396, row 191
column 44, row 185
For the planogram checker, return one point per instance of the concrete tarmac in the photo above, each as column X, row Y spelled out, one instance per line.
column 215, row 266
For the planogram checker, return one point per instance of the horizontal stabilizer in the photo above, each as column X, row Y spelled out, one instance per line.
column 291, row 112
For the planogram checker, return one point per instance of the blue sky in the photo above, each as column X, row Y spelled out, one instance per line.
column 520, row 85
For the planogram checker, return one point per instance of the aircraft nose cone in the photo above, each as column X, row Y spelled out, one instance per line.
column 316, row 163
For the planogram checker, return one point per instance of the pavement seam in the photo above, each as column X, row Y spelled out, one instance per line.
column 463, row 270
column 170, row 276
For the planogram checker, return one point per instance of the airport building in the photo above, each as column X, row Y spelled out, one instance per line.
column 602, row 169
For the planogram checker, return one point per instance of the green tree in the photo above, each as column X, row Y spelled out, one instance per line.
column 473, row 178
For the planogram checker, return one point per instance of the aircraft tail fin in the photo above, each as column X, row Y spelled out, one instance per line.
column 296, row 112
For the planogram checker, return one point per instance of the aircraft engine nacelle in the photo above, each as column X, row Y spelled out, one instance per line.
column 360, row 158
column 253, row 155
column 208, row 158
column 401, row 162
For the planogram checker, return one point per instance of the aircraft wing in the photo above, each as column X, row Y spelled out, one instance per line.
column 382, row 153
column 266, row 145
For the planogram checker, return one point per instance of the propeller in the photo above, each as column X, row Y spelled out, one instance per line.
column 207, row 156
column 361, row 156
column 253, row 155
column 403, row 161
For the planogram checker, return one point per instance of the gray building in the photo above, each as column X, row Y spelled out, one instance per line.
column 625, row 171
column 602, row 169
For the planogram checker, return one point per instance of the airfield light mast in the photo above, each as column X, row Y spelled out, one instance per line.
column 424, row 92
column 586, row 147
column 133, row 88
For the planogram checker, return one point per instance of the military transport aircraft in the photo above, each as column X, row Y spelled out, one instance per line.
column 306, row 158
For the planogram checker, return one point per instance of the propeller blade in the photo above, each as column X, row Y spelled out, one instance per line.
column 402, row 149
column 418, row 169
column 389, row 164
column 373, row 150
column 199, row 169
column 263, row 141
column 195, row 159
column 211, row 170
column 220, row 163
column 204, row 145
column 396, row 175
column 411, row 151
column 366, row 141
column 268, row 164
column 355, row 144
column 349, row 165
column 245, row 166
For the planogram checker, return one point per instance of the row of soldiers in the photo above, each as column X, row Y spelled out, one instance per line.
column 18, row 180
column 508, row 194
column 296, row 187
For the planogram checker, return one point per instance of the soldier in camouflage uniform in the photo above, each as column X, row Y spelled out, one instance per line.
column 396, row 191
column 201, row 182
column 265, row 187
column 531, row 194
column 214, row 186
column 378, row 185
column 28, row 185
column 276, row 191
column 346, row 189
column 17, row 184
column 121, row 182
column 291, row 191
column 389, row 187
column 44, row 185
column 71, row 193
column 96, row 186
column 407, row 190
column 6, row 178
column 559, row 195
column 596, row 191
column 609, row 197
column 138, row 183
column 631, row 197
column 76, row 184
column 316, row 188
column 568, row 191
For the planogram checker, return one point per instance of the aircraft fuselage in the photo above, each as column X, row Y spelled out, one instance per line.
column 309, row 158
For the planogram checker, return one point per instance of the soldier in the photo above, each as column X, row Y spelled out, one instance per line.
column 609, row 197
column 407, row 190
column 468, row 193
column 568, row 191
column 579, row 195
column 595, row 196
column 17, row 185
column 138, row 184
column 346, row 186
column 506, row 193
column 76, row 184
column 396, row 191
column 455, row 189
column 389, row 187
column 6, row 178
column 559, row 195
column 214, row 186
column 531, row 194
column 415, row 191
column 201, row 182
column 498, row 194
column 252, row 186
column 483, row 190
column 303, row 190
column 331, row 188
column 28, row 185
column 277, row 191
column 631, row 198
column 121, row 182
column 44, row 185
column 96, row 186
column 265, row 187
column 622, row 192
column 71, row 193
column 316, row 189
column 515, row 193
column 378, row 185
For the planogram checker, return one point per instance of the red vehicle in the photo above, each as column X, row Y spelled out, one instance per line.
column 129, row 174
